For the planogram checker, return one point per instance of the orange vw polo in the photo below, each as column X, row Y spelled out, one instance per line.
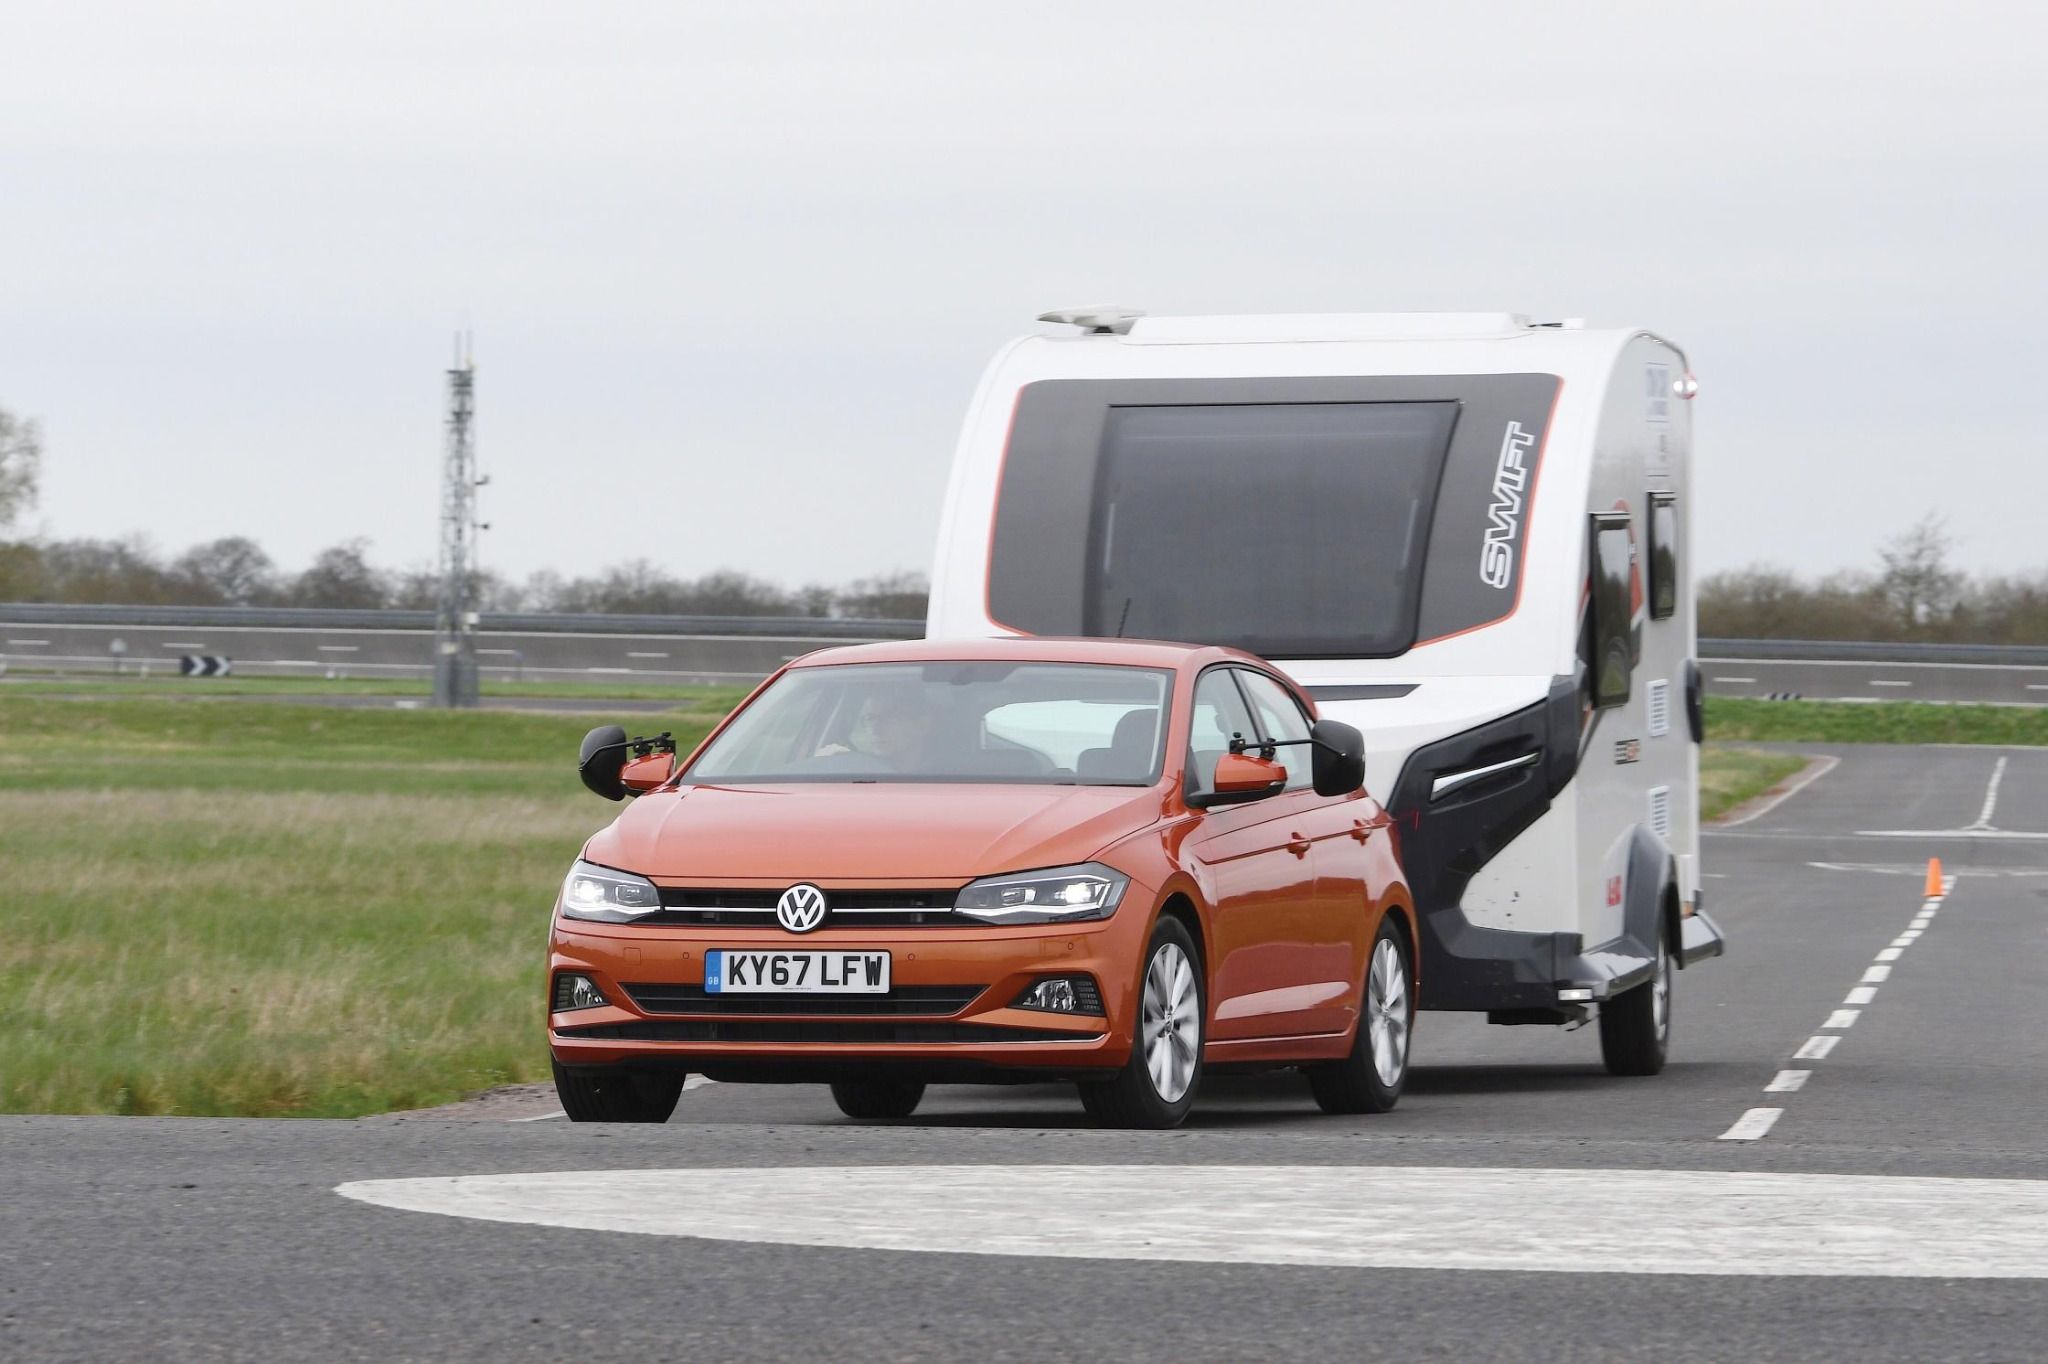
column 1113, row 862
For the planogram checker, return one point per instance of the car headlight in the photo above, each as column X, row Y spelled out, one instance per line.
column 1055, row 895
column 612, row 897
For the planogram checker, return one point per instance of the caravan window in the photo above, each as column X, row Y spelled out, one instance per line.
column 1296, row 529
column 1663, row 555
column 1612, row 609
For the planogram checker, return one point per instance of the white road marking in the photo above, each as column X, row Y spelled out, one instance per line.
column 1816, row 1048
column 1347, row 1216
column 1735, row 679
column 1877, row 975
column 1908, row 938
column 339, row 648
column 1862, row 994
column 542, row 1117
column 184, row 644
column 1819, row 768
column 1892, row 953
column 27, row 643
column 1787, row 1081
column 1946, row 833
column 2037, row 686
column 697, row 1082
column 632, row 654
column 1990, row 796
column 1752, row 1125
column 1842, row 1018
column 1881, row 683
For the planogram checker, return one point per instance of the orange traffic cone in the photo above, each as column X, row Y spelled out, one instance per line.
column 1933, row 877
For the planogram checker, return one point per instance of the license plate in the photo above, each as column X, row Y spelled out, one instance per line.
column 732, row 971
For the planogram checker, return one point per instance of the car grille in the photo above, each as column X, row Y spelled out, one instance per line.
column 691, row 905
column 934, row 1001
column 797, row 1030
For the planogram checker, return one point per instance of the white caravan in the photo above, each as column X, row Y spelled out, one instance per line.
column 1466, row 534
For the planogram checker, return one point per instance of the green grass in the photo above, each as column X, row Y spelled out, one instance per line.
column 286, row 909
column 1730, row 776
column 1884, row 722
column 258, row 909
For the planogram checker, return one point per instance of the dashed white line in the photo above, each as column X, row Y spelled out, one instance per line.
column 542, row 1117
column 1880, row 682
column 1787, row 1082
column 1816, row 1048
column 1752, row 1124
column 1877, row 975
column 1862, row 994
column 27, row 643
column 1842, row 1018
column 1747, row 679
column 1892, row 953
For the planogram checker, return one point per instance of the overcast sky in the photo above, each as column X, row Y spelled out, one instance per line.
column 733, row 269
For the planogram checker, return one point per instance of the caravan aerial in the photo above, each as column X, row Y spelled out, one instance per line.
column 1465, row 534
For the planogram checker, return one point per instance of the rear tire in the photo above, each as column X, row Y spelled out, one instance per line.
column 1371, row 1078
column 875, row 1099
column 1635, row 1026
column 1166, row 1040
column 617, row 1095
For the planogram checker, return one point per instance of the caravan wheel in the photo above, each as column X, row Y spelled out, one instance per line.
column 1635, row 1027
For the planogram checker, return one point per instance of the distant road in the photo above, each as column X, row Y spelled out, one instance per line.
column 355, row 644
column 268, row 642
column 1833, row 670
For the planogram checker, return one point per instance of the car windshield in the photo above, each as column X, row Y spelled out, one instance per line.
column 965, row 721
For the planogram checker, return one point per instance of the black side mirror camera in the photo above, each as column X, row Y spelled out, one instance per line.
column 1338, row 758
column 602, row 757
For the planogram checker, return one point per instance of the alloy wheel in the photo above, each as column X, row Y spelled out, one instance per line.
column 1171, row 1022
column 1386, row 1012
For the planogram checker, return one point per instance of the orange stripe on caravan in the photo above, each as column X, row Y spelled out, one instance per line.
column 1528, row 520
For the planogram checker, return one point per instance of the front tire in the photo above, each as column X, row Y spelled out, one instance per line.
column 617, row 1095
column 871, row 1100
column 1371, row 1078
column 1156, row 1087
column 1635, row 1026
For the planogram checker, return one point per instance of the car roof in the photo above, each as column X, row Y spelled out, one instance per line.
column 1136, row 653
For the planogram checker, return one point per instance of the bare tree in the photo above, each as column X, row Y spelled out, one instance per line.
column 21, row 458
column 341, row 575
column 233, row 570
column 901, row 595
column 1917, row 583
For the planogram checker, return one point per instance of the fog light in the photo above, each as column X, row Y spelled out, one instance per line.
column 1574, row 996
column 577, row 992
column 1062, row 995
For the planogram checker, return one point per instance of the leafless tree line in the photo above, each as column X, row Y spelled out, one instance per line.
column 1914, row 594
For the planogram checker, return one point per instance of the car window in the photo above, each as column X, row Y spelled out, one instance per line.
column 947, row 721
column 1280, row 717
column 1218, row 715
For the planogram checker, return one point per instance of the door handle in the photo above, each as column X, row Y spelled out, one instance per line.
column 1297, row 845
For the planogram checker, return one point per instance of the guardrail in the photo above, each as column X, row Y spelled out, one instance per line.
column 1855, row 651
column 526, row 622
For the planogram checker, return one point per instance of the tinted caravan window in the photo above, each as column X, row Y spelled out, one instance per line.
column 1613, row 587
column 1289, row 529
column 1663, row 555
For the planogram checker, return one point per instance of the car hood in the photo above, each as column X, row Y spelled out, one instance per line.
column 881, row 832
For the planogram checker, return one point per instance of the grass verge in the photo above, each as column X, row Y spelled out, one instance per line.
column 277, row 909
column 1730, row 776
column 1879, row 722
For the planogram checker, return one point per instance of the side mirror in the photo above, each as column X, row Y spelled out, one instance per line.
column 602, row 758
column 1241, row 777
column 644, row 774
column 1339, row 761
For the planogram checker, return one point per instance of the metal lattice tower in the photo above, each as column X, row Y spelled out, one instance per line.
column 455, row 676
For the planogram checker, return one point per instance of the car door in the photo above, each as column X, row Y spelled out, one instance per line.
column 1254, row 862
column 1334, row 938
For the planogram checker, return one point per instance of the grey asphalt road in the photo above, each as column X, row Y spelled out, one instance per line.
column 558, row 656
column 217, row 1239
column 1996, row 683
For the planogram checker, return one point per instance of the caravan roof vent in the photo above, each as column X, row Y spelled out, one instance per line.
column 1098, row 319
